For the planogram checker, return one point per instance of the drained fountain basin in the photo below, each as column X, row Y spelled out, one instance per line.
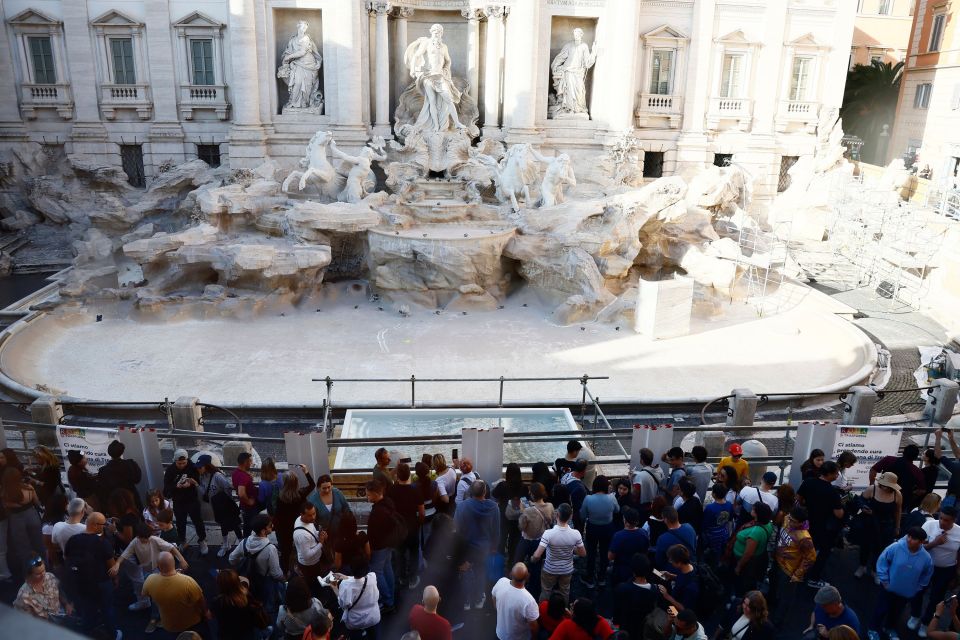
column 384, row 423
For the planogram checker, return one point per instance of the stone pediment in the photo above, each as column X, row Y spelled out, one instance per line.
column 32, row 17
column 114, row 18
column 665, row 32
column 808, row 41
column 198, row 19
column 736, row 37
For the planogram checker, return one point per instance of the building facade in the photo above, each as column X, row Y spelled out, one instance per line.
column 882, row 31
column 928, row 112
column 139, row 84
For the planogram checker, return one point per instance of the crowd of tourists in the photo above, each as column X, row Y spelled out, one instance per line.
column 670, row 549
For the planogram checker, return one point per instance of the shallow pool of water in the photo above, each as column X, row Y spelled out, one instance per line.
column 432, row 422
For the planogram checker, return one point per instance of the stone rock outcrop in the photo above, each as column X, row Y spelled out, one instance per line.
column 440, row 259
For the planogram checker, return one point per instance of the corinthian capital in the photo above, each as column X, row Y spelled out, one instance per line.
column 404, row 12
column 380, row 8
column 494, row 11
column 471, row 14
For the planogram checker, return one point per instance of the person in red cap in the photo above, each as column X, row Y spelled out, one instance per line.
column 735, row 460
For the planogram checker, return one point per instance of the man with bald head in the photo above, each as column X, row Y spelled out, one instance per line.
column 90, row 556
column 517, row 610
column 178, row 598
column 425, row 620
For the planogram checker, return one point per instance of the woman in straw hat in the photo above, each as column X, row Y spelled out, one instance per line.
column 879, row 513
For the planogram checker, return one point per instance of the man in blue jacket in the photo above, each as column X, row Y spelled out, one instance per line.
column 903, row 569
column 478, row 523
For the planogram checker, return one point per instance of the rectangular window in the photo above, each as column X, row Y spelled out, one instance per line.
column 786, row 162
column 661, row 75
column 653, row 164
column 885, row 7
column 41, row 55
column 722, row 159
column 876, row 59
column 121, row 50
column 936, row 32
column 955, row 99
column 921, row 99
column 800, row 81
column 731, row 79
column 131, row 159
column 209, row 153
column 201, row 55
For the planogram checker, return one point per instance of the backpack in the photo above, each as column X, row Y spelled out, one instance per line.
column 560, row 495
column 248, row 566
column 398, row 532
column 711, row 590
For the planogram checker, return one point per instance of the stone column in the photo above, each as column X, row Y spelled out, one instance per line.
column 88, row 135
column 614, row 95
column 472, row 16
column 11, row 122
column 491, row 77
column 401, row 76
column 247, row 139
column 761, row 156
column 382, row 112
column 520, row 83
column 166, row 134
column 692, row 143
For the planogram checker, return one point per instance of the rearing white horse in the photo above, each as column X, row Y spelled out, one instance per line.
column 315, row 163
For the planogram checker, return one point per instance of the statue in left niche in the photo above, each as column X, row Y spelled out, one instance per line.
column 428, row 60
column 300, row 69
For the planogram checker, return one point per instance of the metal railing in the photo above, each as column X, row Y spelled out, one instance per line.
column 584, row 380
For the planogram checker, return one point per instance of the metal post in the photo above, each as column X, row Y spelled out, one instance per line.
column 500, row 403
column 413, row 392
column 168, row 408
column 583, row 399
column 329, row 383
column 596, row 409
column 786, row 443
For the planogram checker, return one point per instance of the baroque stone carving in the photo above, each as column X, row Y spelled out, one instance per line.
column 569, row 70
column 300, row 70
column 558, row 175
column 351, row 181
column 428, row 60
column 518, row 171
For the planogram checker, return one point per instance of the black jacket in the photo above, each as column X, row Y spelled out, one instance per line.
column 120, row 474
column 172, row 476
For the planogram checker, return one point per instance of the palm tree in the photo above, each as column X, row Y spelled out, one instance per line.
column 869, row 102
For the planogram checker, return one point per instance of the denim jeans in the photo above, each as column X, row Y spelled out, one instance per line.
column 475, row 578
column 598, row 543
column 937, row 589
column 181, row 511
column 888, row 609
column 96, row 606
column 381, row 563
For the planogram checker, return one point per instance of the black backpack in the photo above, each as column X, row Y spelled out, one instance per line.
column 248, row 567
column 711, row 590
column 398, row 532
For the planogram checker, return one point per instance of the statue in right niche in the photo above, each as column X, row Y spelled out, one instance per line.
column 569, row 77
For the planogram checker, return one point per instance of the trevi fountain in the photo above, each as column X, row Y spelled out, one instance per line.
column 437, row 253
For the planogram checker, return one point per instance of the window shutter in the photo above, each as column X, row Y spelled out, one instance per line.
column 121, row 50
column 41, row 54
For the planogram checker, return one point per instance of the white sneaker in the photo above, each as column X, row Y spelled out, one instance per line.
column 466, row 605
column 224, row 550
column 479, row 603
column 204, row 549
column 140, row 605
column 922, row 632
column 860, row 572
column 413, row 583
column 119, row 635
column 891, row 634
column 913, row 623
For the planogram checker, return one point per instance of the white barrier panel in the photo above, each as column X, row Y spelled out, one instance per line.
column 90, row 441
column 485, row 448
column 141, row 446
column 656, row 437
column 309, row 449
column 868, row 443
